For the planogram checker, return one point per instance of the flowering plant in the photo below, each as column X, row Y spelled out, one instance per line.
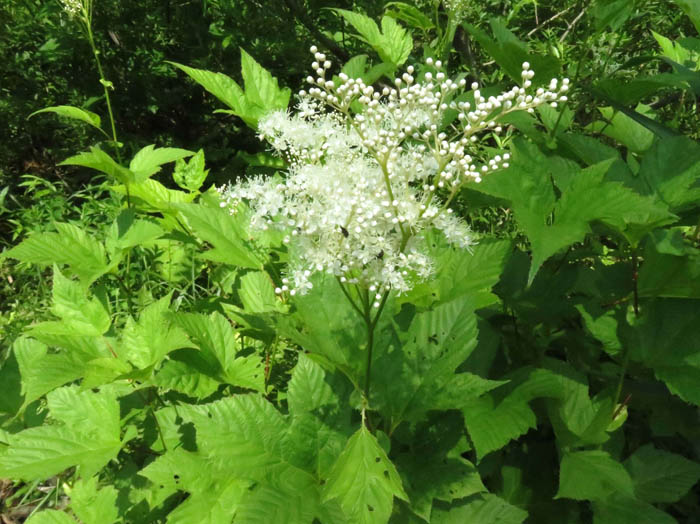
column 371, row 169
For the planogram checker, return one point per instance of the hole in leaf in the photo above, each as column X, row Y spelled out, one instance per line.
column 377, row 459
column 370, row 507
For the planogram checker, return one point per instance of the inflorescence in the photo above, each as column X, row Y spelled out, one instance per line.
column 371, row 169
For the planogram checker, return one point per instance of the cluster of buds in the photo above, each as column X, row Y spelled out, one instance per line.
column 372, row 168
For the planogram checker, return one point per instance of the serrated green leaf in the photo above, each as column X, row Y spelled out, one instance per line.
column 430, row 477
column 308, row 390
column 292, row 502
column 485, row 509
column 74, row 113
column 93, row 505
column 611, row 14
column 364, row 480
column 419, row 374
column 460, row 273
column 587, row 198
column 128, row 231
column 146, row 342
column 661, row 476
column 666, row 338
column 492, row 425
column 88, row 438
column 151, row 195
column 50, row 516
column 148, row 160
column 100, row 161
column 509, row 52
column 189, row 373
column 190, row 175
column 592, row 475
column 625, row 130
column 325, row 325
column 71, row 245
column 214, row 336
column 624, row 509
column 221, row 230
column 218, row 84
column 393, row 43
column 84, row 316
column 671, row 267
column 245, row 432
column 258, row 294
column 671, row 170
column 409, row 14
column 214, row 506
column 261, row 88
column 42, row 372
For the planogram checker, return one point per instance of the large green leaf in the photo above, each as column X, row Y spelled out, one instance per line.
column 624, row 129
column 188, row 372
column 40, row 371
column 79, row 314
column 261, row 96
column 586, row 197
column 671, row 266
column 222, row 230
column 661, row 476
column 215, row 337
column 325, row 325
column 418, row 375
column 74, row 113
column 666, row 338
column 485, row 509
column 459, row 273
column 100, row 161
column 434, row 469
column 147, row 341
column 71, row 245
column 671, row 170
column 218, row 84
column 93, row 505
column 392, row 43
column 51, row 516
column 624, row 509
column 88, row 437
column 148, row 160
column 592, row 475
column 364, row 480
column 509, row 52
column 261, row 88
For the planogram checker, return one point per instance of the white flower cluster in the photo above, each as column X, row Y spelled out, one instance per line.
column 371, row 169
column 72, row 7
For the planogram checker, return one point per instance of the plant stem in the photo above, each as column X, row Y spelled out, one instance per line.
column 371, row 326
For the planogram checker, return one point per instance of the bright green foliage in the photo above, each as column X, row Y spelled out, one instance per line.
column 592, row 475
column 93, row 505
column 51, row 516
column 392, row 42
column 260, row 94
column 190, row 175
column 549, row 374
column 71, row 245
column 74, row 113
column 87, row 435
column 487, row 509
column 364, row 480
column 148, row 160
column 661, row 476
column 225, row 233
